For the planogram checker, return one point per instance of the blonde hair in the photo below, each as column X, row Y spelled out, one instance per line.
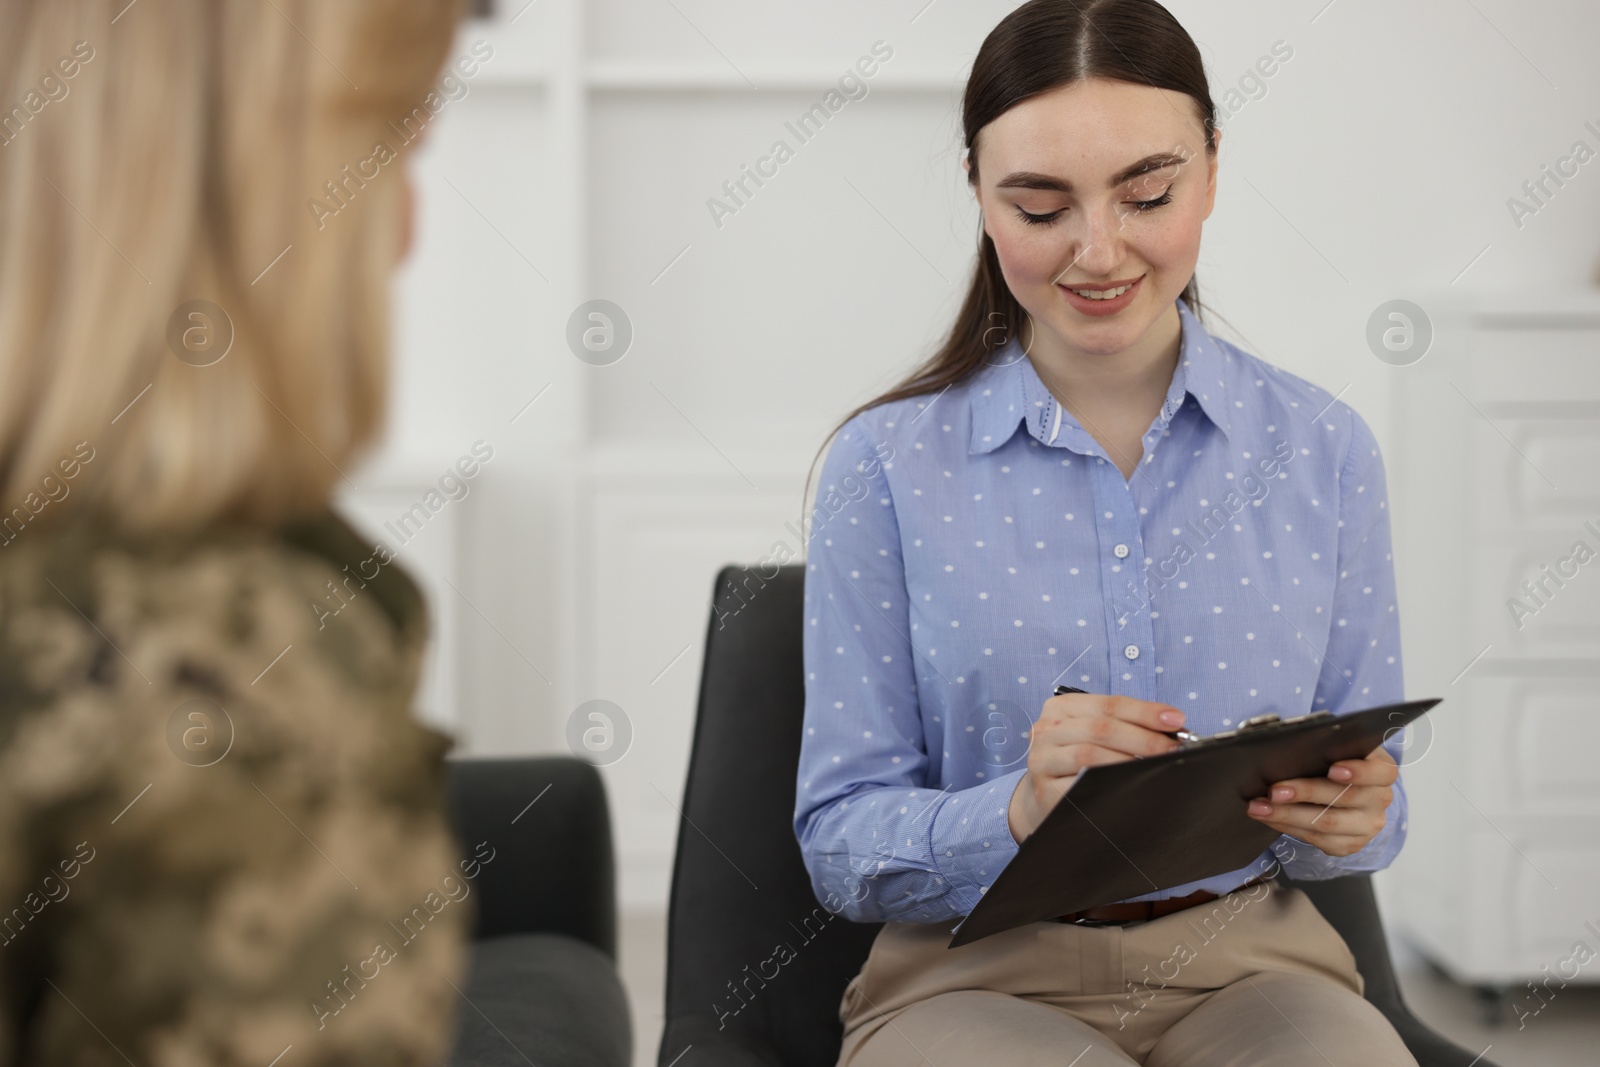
column 164, row 152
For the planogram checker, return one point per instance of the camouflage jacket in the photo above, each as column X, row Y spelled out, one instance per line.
column 221, row 838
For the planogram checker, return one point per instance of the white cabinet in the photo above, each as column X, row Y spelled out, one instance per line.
column 1495, row 483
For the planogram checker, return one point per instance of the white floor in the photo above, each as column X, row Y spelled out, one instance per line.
column 642, row 943
column 1566, row 1033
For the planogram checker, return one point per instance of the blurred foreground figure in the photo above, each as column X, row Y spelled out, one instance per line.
column 221, row 831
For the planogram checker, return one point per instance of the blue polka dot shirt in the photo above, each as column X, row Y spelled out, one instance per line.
column 968, row 551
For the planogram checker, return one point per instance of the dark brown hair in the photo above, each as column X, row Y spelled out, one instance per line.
column 1044, row 45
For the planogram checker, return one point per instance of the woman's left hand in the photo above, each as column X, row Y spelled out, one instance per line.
column 1338, row 814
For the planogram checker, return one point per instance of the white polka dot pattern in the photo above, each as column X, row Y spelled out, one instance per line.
column 1244, row 567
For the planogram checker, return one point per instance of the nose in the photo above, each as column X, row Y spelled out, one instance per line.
column 1094, row 245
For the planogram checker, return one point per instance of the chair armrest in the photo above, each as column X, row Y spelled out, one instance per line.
column 545, row 828
column 546, row 999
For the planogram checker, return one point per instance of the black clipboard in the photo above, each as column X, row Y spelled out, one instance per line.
column 1133, row 827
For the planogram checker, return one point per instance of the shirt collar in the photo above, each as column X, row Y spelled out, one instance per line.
column 1008, row 391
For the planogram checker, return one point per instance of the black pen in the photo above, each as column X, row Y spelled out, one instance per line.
column 1177, row 735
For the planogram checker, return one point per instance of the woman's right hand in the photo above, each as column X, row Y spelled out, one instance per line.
column 1078, row 730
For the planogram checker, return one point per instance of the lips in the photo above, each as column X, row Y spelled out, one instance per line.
column 1103, row 298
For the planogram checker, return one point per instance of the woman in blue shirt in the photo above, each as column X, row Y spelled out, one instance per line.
column 1084, row 487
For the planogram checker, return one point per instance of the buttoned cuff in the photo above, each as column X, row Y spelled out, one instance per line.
column 971, row 838
column 1308, row 863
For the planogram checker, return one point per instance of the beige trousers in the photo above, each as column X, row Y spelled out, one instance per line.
column 1254, row 978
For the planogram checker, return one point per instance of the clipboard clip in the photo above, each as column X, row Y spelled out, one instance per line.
column 1268, row 719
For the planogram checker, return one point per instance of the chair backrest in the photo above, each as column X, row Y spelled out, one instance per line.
column 753, row 960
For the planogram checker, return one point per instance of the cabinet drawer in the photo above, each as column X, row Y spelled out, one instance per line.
column 1534, row 743
column 1532, row 472
column 1551, row 881
column 1509, row 745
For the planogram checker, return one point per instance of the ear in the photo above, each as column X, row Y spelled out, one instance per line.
column 977, row 194
column 1211, row 171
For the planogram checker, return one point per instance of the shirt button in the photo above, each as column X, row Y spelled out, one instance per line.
column 1132, row 652
column 1121, row 551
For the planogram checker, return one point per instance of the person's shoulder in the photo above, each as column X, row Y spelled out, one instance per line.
column 128, row 656
column 1251, row 374
column 883, row 420
column 250, row 584
column 221, row 727
column 927, row 424
column 1324, row 422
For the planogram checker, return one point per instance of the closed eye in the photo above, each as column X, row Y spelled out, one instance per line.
column 1139, row 206
column 1039, row 220
column 1148, row 205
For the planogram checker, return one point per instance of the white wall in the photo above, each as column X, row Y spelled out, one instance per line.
column 1377, row 165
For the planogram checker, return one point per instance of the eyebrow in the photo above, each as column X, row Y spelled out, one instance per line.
column 1028, row 179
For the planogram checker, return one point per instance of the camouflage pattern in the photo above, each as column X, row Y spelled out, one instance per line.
column 268, row 879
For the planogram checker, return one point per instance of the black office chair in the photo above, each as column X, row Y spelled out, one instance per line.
column 544, row 986
column 740, row 890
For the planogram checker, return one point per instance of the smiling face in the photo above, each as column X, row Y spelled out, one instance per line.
column 1101, row 187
